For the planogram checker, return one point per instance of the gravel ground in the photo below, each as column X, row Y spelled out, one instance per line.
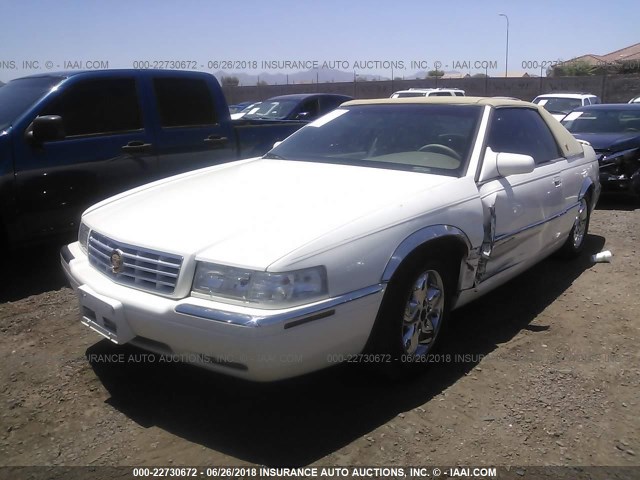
column 543, row 371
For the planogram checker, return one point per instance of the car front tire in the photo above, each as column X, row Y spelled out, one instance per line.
column 413, row 315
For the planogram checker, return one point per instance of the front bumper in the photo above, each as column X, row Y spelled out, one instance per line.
column 250, row 343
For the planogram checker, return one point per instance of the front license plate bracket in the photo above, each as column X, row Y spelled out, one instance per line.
column 104, row 315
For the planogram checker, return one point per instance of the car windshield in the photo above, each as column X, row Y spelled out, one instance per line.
column 559, row 105
column 423, row 138
column 18, row 95
column 603, row 121
column 273, row 109
column 249, row 108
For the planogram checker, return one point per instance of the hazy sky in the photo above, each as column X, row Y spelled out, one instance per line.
column 122, row 32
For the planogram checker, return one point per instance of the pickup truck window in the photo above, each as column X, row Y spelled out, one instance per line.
column 17, row 96
column 95, row 107
column 184, row 102
column 521, row 130
column 421, row 138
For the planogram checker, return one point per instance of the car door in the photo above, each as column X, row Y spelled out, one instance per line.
column 520, row 210
column 105, row 150
column 188, row 131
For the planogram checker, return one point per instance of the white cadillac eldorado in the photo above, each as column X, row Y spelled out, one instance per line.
column 353, row 238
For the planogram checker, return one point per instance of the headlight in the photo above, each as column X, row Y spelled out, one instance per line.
column 83, row 236
column 270, row 290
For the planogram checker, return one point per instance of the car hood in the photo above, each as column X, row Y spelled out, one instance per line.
column 252, row 213
column 610, row 142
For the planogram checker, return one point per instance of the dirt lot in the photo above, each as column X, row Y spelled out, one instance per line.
column 544, row 371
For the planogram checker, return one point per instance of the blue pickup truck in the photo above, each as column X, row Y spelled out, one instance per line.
column 68, row 140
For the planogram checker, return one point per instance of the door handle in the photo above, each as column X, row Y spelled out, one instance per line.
column 216, row 140
column 557, row 181
column 136, row 146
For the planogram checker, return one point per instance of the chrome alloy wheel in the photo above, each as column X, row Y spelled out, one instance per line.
column 423, row 313
column 580, row 225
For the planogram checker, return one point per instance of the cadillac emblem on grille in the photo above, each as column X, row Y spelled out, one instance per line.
column 117, row 260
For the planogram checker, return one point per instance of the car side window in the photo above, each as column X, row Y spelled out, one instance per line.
column 311, row 107
column 522, row 130
column 98, row 107
column 184, row 102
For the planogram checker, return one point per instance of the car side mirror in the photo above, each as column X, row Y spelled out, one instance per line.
column 514, row 164
column 503, row 164
column 277, row 143
column 46, row 128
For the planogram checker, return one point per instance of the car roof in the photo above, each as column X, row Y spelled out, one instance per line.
column 303, row 96
column 565, row 95
column 494, row 102
column 611, row 106
column 114, row 72
column 429, row 90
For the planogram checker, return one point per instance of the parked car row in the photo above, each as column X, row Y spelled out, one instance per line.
column 559, row 104
column 302, row 106
column 613, row 130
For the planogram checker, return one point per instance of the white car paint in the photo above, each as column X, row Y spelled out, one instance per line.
column 280, row 215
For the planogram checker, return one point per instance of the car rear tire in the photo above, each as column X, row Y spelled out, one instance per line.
column 574, row 244
column 413, row 315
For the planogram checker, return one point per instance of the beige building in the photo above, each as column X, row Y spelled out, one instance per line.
column 627, row 54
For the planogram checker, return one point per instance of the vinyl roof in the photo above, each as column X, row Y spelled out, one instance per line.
column 494, row 102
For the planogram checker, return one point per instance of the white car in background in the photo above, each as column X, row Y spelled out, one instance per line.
column 351, row 240
column 560, row 104
column 428, row 92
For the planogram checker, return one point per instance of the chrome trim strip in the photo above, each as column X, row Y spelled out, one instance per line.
column 508, row 236
column 416, row 239
column 296, row 317
column 319, row 316
column 144, row 269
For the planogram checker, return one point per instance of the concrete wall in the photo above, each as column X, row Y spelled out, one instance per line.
column 611, row 88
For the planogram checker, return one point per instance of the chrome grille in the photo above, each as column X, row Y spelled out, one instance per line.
column 144, row 269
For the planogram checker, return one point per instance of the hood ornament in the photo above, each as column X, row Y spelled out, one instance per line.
column 117, row 261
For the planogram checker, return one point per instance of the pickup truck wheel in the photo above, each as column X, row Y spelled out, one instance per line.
column 413, row 315
column 575, row 242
